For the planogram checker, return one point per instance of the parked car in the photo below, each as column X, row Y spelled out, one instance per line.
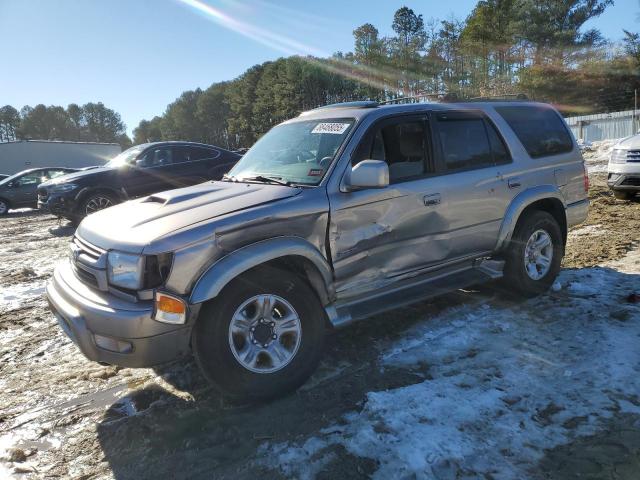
column 624, row 168
column 20, row 190
column 136, row 172
column 333, row 216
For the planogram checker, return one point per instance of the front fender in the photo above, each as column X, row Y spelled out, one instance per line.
column 519, row 203
column 218, row 275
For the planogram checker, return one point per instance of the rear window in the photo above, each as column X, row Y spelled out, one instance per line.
column 540, row 129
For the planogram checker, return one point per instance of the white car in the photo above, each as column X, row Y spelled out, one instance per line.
column 624, row 168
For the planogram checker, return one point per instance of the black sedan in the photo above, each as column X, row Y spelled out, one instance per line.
column 136, row 172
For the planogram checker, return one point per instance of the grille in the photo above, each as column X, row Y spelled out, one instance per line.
column 633, row 156
column 88, row 262
column 85, row 276
column 631, row 181
column 88, row 249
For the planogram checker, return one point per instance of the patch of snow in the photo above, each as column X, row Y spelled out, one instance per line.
column 14, row 296
column 596, row 154
column 591, row 230
column 505, row 383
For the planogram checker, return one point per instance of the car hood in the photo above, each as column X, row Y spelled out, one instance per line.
column 629, row 143
column 133, row 225
column 79, row 175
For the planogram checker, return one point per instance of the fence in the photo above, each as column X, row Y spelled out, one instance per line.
column 604, row 126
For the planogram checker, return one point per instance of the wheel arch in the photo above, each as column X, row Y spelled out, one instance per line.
column 85, row 192
column 546, row 198
column 8, row 202
column 292, row 253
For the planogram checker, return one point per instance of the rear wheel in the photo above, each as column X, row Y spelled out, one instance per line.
column 534, row 254
column 97, row 201
column 262, row 337
column 623, row 194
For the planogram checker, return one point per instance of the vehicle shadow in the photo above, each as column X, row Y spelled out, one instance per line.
column 63, row 229
column 184, row 429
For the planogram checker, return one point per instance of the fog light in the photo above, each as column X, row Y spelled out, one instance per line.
column 170, row 309
column 113, row 344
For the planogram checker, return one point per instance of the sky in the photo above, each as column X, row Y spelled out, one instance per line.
column 137, row 56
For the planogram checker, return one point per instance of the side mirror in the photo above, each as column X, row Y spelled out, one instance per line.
column 141, row 163
column 369, row 174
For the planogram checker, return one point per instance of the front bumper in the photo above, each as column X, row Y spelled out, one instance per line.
column 63, row 205
column 624, row 181
column 84, row 313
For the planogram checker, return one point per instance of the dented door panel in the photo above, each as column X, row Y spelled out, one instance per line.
column 377, row 235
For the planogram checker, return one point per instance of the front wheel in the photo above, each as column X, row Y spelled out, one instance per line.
column 95, row 202
column 534, row 254
column 262, row 337
column 4, row 207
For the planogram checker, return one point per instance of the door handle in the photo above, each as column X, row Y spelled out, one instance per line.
column 514, row 182
column 431, row 200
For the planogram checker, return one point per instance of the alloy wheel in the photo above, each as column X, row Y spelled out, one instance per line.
column 265, row 333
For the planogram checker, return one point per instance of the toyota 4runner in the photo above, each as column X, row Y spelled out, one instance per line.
column 336, row 215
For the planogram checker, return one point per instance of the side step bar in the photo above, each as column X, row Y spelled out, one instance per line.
column 412, row 291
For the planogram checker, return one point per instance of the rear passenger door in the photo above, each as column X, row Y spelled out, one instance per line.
column 475, row 181
column 209, row 162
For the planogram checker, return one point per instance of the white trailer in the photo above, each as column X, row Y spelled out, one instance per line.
column 21, row 155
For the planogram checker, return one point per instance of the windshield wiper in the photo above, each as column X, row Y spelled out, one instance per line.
column 265, row 179
column 228, row 178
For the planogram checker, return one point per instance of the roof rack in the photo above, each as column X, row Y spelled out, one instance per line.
column 358, row 104
column 509, row 97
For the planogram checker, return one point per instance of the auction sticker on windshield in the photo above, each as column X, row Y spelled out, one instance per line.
column 333, row 128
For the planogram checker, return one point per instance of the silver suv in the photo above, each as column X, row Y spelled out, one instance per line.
column 339, row 214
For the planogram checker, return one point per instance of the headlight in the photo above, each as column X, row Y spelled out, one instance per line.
column 62, row 187
column 618, row 156
column 125, row 270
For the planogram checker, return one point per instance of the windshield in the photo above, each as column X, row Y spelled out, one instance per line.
column 126, row 157
column 298, row 152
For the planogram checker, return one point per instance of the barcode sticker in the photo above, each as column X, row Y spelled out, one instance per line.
column 333, row 128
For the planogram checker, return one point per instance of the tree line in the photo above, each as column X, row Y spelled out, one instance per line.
column 539, row 48
column 534, row 47
column 91, row 122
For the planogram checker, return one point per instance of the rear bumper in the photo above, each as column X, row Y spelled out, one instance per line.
column 577, row 212
column 85, row 315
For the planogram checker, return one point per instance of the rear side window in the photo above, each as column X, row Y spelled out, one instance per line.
column 540, row 129
column 200, row 153
column 464, row 141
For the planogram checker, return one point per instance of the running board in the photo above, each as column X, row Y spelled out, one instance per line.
column 412, row 291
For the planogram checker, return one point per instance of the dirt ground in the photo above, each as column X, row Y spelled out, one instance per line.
column 62, row 416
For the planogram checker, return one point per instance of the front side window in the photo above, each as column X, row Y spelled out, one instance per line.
column 157, row 157
column 298, row 152
column 540, row 129
column 56, row 173
column 33, row 178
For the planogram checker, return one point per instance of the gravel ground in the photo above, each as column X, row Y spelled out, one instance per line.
column 62, row 416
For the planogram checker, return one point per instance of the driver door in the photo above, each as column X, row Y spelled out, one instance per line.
column 380, row 235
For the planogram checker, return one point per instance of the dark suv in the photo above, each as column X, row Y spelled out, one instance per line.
column 136, row 172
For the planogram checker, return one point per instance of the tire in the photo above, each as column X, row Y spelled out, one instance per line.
column 219, row 342
column 529, row 230
column 623, row 194
column 96, row 201
column 4, row 207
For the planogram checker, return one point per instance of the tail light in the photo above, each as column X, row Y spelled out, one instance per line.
column 586, row 177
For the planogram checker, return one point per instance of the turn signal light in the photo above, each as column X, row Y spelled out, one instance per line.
column 170, row 309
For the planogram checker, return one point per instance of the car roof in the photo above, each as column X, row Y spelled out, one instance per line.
column 144, row 146
column 360, row 110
